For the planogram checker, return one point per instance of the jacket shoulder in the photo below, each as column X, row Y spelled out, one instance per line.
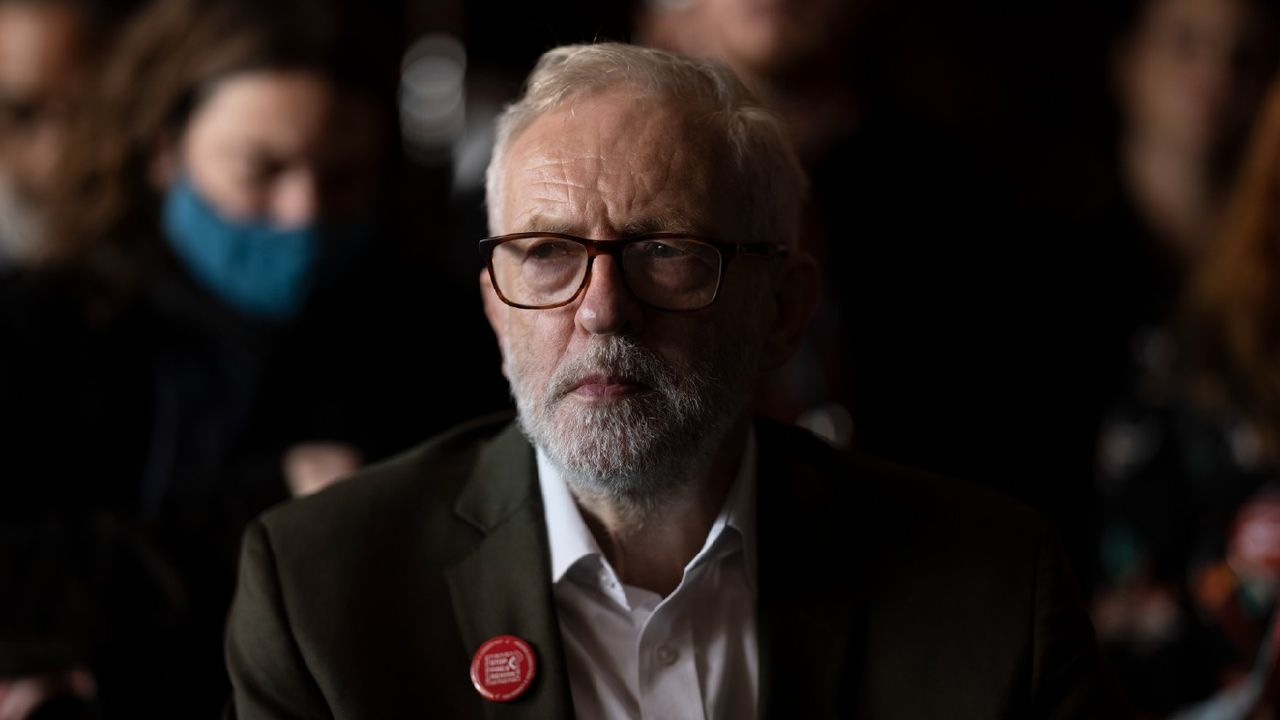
column 887, row 493
column 409, row 492
column 945, row 504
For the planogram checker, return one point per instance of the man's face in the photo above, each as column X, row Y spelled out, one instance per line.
column 620, row 395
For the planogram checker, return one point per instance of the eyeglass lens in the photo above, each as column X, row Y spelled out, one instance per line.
column 668, row 273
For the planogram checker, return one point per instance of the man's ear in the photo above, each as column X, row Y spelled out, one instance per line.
column 797, row 289
column 495, row 312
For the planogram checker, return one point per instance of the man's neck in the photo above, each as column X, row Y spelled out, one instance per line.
column 651, row 550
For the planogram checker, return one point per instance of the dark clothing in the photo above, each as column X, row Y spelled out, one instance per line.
column 1185, row 494
column 1168, row 482
column 882, row 593
column 138, row 439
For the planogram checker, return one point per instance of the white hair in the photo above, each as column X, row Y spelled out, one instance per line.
column 768, row 178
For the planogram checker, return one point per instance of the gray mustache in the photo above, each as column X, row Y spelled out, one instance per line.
column 615, row 357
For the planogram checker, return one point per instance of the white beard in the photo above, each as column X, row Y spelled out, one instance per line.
column 637, row 452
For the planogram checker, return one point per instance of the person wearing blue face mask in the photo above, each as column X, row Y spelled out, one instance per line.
column 261, row 269
column 257, row 268
column 260, row 208
column 220, row 324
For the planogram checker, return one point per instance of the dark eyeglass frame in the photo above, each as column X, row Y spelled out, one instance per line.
column 613, row 248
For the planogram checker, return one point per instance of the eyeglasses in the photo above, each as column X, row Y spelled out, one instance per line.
column 664, row 270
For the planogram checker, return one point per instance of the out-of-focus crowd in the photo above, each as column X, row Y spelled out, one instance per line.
column 238, row 262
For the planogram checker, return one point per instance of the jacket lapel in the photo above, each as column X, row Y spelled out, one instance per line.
column 504, row 586
column 810, row 612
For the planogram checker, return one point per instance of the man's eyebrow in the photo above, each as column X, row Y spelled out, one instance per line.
column 539, row 224
column 663, row 222
column 657, row 222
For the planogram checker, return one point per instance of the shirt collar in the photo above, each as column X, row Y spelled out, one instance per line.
column 568, row 535
column 571, row 540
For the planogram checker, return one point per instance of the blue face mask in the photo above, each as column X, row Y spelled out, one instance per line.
column 261, row 271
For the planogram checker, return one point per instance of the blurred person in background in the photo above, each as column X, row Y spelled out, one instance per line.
column 1188, row 81
column 1177, row 84
column 221, row 323
column 793, row 54
column 1187, row 77
column 45, row 46
column 1190, row 477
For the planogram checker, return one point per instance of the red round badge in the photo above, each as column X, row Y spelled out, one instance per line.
column 502, row 668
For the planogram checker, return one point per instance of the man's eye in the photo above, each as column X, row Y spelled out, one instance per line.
column 548, row 250
column 662, row 251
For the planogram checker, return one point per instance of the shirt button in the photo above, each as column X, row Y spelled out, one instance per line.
column 668, row 655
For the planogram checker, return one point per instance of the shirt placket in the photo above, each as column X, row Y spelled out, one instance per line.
column 669, row 685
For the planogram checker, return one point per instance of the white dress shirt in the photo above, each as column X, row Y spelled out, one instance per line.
column 634, row 654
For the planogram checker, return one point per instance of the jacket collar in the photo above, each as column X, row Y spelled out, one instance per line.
column 502, row 483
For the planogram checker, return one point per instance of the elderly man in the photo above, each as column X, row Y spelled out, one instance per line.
column 634, row 545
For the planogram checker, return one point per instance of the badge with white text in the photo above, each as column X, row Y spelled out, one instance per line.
column 503, row 668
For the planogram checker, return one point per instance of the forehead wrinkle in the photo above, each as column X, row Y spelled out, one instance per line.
column 630, row 174
column 547, row 178
column 644, row 190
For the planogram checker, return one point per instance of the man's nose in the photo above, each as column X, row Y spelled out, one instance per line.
column 607, row 306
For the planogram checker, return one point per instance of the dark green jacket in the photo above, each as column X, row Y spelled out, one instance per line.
column 883, row 594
